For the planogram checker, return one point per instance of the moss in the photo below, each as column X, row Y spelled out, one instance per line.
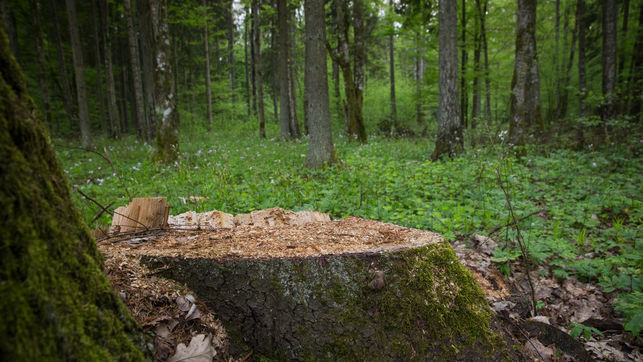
column 56, row 303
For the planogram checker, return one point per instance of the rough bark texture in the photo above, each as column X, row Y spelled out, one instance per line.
column 81, row 88
column 139, row 105
column 449, row 138
column 413, row 303
column 524, row 113
column 112, row 110
column 321, row 150
column 56, row 304
column 167, row 113
column 610, row 22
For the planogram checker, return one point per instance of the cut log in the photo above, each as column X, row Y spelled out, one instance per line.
column 349, row 289
column 141, row 213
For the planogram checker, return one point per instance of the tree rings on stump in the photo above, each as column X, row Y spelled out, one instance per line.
column 349, row 289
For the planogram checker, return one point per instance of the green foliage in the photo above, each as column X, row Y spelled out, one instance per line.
column 578, row 329
column 632, row 306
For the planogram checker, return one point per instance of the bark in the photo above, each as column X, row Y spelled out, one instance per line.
column 564, row 94
column 420, row 67
column 464, row 95
column 359, row 56
column 135, row 66
column 56, row 303
column 99, row 72
column 42, row 64
column 582, row 72
column 81, row 88
column 62, row 63
column 622, row 78
column 112, row 110
column 524, row 114
column 292, row 74
column 321, row 150
column 274, row 59
column 449, row 138
column 253, row 70
column 336, row 92
column 637, row 72
column 487, row 80
column 247, row 61
column 285, row 105
column 412, row 303
column 231, row 62
column 553, row 106
column 610, row 23
column 258, row 73
column 208, row 83
column 391, row 50
column 167, row 113
column 355, row 127
column 147, row 62
column 477, row 67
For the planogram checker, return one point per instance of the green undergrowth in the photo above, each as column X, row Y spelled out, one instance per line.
column 580, row 211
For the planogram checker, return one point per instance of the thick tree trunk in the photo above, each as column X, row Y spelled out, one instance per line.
column 449, row 138
column 167, row 113
column 81, row 88
column 257, row 68
column 524, row 114
column 42, row 64
column 610, row 24
column 112, row 111
column 411, row 300
column 135, row 66
column 56, row 303
column 208, row 82
column 62, row 63
column 320, row 149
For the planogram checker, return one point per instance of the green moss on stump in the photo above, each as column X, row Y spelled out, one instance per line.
column 321, row 308
column 55, row 302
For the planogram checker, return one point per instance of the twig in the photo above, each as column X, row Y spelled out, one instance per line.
column 107, row 211
column 101, row 212
column 245, row 358
column 500, row 227
column 106, row 158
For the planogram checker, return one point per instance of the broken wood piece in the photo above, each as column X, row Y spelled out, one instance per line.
column 141, row 213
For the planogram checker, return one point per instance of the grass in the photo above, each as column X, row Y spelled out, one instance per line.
column 581, row 210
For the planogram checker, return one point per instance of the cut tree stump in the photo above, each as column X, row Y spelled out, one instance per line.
column 349, row 289
column 141, row 213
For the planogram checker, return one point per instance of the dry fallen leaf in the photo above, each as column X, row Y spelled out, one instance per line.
column 200, row 349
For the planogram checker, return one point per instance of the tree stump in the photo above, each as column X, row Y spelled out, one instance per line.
column 349, row 289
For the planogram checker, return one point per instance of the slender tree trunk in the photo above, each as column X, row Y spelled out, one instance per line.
column 284, row 72
column 553, row 106
column 449, row 138
column 564, row 94
column 622, row 78
column 247, row 61
column 320, row 150
column 336, row 92
column 464, row 95
column 112, row 110
column 231, row 63
column 147, row 65
column 99, row 72
column 610, row 22
column 487, row 80
column 274, row 55
column 139, row 106
column 42, row 64
column 420, row 66
column 258, row 75
column 582, row 73
column 391, row 48
column 477, row 50
column 524, row 112
column 208, row 83
column 253, row 59
column 81, row 88
column 167, row 113
column 292, row 74
column 636, row 74
column 360, row 52
column 62, row 63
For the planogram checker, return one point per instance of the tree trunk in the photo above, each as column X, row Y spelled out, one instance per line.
column 320, row 149
column 112, row 110
column 622, row 78
column 420, row 67
column 359, row 57
column 477, row 50
column 564, row 94
column 464, row 92
column 285, row 106
column 336, row 92
column 524, row 112
column 208, row 83
column 231, row 63
column 257, row 60
column 292, row 74
column 62, row 63
column 42, row 65
column 449, row 138
column 377, row 303
column 610, row 23
column 247, row 61
column 81, row 88
column 487, row 80
column 139, row 105
column 99, row 72
column 391, row 50
column 56, row 303
column 274, row 59
column 147, row 63
column 167, row 113
column 582, row 73
column 636, row 75
column 253, row 70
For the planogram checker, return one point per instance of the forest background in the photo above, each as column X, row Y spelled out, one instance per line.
column 238, row 74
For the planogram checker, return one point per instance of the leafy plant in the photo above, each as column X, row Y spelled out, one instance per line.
column 578, row 329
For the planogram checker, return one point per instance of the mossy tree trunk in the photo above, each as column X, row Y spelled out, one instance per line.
column 415, row 303
column 56, row 303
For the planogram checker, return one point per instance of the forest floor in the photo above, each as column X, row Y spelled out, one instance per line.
column 579, row 212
